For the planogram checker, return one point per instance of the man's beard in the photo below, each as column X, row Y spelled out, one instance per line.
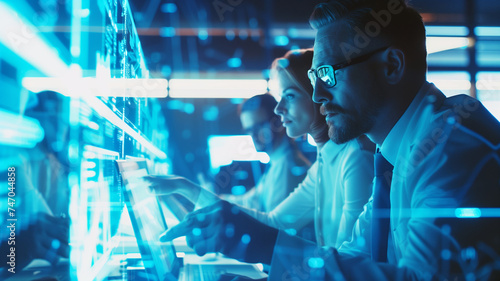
column 352, row 125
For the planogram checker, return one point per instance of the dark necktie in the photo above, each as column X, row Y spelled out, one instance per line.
column 381, row 208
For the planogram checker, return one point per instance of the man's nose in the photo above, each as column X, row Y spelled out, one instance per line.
column 321, row 94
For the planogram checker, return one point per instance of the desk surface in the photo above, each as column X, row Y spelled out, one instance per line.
column 38, row 269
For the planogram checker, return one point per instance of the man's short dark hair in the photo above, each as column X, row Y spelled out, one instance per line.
column 47, row 102
column 402, row 28
column 264, row 102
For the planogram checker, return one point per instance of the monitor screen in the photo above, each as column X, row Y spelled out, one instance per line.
column 147, row 220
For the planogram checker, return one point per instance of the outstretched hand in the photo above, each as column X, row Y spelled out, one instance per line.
column 164, row 185
column 201, row 228
column 223, row 227
column 46, row 238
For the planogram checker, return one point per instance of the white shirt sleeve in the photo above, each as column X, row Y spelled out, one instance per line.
column 282, row 177
column 296, row 211
column 248, row 200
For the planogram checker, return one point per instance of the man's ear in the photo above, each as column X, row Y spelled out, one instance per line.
column 395, row 65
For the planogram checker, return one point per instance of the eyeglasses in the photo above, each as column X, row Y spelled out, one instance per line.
column 327, row 72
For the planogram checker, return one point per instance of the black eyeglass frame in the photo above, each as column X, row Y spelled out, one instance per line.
column 313, row 73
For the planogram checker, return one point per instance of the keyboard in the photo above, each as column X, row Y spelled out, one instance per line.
column 202, row 272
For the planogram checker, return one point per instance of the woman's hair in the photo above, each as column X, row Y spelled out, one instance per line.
column 295, row 65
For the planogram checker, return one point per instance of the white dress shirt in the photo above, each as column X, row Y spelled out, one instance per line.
column 445, row 199
column 334, row 204
column 288, row 167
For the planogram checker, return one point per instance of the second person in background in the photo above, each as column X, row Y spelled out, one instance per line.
column 287, row 166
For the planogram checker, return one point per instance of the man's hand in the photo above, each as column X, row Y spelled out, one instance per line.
column 46, row 238
column 165, row 185
column 223, row 227
column 51, row 237
column 202, row 229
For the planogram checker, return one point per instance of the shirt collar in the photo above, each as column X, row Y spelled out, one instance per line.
column 390, row 146
column 330, row 150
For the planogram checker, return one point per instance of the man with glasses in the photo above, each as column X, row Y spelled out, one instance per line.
column 287, row 166
column 434, row 213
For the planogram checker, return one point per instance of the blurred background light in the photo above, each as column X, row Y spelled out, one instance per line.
column 21, row 37
column 18, row 130
column 451, row 82
column 439, row 44
column 169, row 8
column 468, row 212
column 281, row 40
column 488, row 86
column 167, row 31
column 234, row 62
column 85, row 13
column 216, row 88
column 109, row 87
column 238, row 190
column 211, row 113
column 243, row 34
column 310, row 140
column 203, row 34
column 223, row 150
column 230, row 35
column 189, row 108
column 434, row 30
column 490, row 31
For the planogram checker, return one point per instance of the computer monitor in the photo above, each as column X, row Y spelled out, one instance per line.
column 148, row 222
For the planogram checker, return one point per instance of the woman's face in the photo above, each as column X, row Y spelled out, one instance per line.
column 295, row 108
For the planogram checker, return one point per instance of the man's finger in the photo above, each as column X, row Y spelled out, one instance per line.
column 48, row 220
column 63, row 250
column 46, row 248
column 162, row 185
column 60, row 232
column 181, row 229
column 155, row 187
column 151, row 179
column 42, row 250
column 197, row 219
column 160, row 179
column 200, row 234
column 52, row 248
